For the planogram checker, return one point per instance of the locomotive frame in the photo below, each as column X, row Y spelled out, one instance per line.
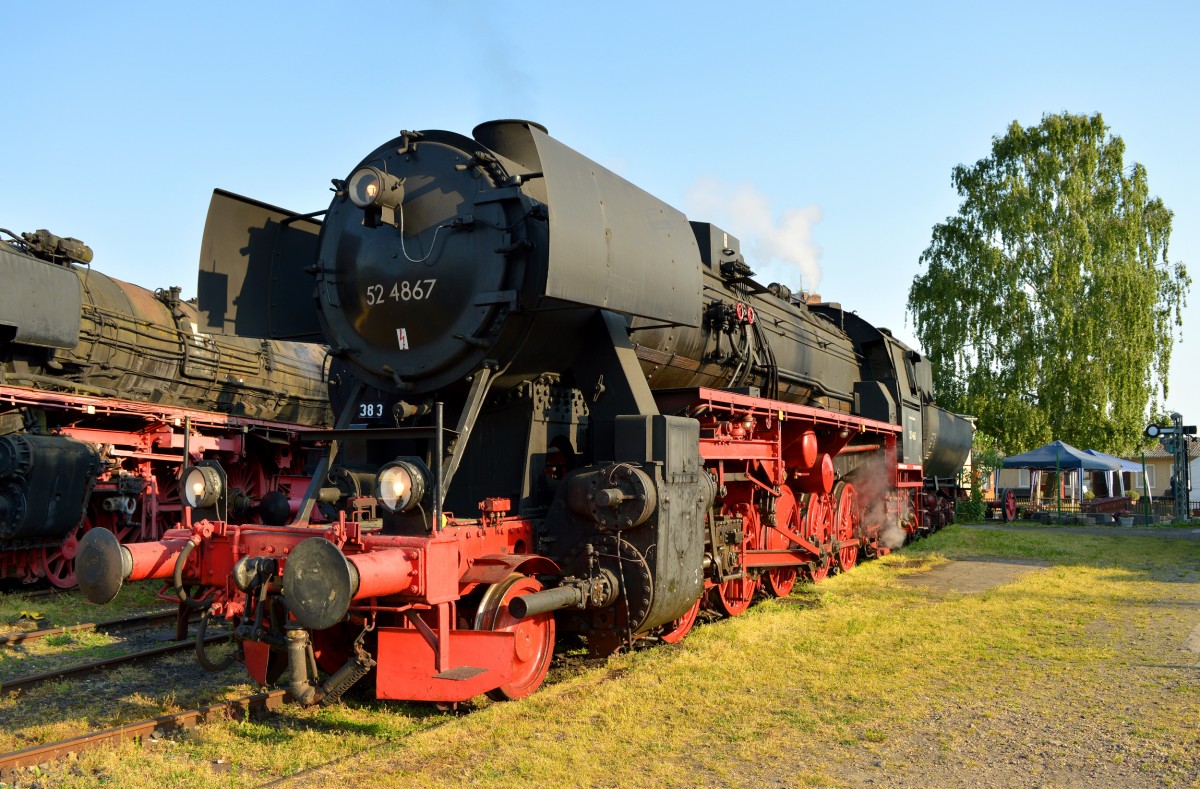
column 142, row 448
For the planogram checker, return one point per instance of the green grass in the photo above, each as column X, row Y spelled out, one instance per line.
column 19, row 611
column 837, row 676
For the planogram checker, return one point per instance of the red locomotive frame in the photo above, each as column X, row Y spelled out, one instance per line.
column 434, row 612
column 145, row 447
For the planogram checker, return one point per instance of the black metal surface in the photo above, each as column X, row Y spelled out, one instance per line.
column 318, row 583
column 613, row 245
column 542, row 299
column 130, row 343
column 252, row 279
column 39, row 304
column 422, row 307
column 44, row 487
column 948, row 439
column 100, row 566
column 546, row 601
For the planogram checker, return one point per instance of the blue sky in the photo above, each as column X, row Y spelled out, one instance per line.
column 823, row 134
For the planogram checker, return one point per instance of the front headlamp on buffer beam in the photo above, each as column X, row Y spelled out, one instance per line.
column 376, row 192
column 203, row 487
column 402, row 485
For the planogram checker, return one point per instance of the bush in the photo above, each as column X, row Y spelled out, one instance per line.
column 971, row 509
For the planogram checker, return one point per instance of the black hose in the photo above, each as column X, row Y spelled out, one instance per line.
column 178, row 578
column 202, row 656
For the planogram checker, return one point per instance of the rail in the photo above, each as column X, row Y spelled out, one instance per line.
column 129, row 622
column 240, row 707
column 22, row 683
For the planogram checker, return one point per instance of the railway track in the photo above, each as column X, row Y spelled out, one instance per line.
column 40, row 593
column 237, row 708
column 108, row 626
column 95, row 666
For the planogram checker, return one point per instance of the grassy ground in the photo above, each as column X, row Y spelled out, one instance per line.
column 20, row 613
column 1076, row 672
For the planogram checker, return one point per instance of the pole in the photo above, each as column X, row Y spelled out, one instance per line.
column 1145, row 489
column 1180, row 463
column 1058, row 486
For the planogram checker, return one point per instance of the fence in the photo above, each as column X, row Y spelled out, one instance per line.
column 1157, row 509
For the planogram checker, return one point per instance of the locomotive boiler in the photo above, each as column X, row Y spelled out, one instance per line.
column 105, row 387
column 568, row 409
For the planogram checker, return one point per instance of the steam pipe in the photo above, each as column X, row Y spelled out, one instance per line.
column 549, row 600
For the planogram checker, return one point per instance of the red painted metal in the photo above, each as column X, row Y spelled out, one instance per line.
column 155, row 559
column 820, row 479
column 1008, row 505
column 148, row 449
column 778, row 581
column 58, row 564
column 733, row 597
column 433, row 609
column 675, row 632
column 847, row 524
column 494, row 569
column 409, row 668
column 818, row 527
column 386, row 572
column 533, row 638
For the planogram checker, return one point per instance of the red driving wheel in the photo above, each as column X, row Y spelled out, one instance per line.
column 779, row 581
column 534, row 635
column 846, row 519
column 818, row 528
column 683, row 625
column 734, row 596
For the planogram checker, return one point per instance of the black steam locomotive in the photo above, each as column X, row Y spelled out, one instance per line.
column 105, row 387
column 567, row 408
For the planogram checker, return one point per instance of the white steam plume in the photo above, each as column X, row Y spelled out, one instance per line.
column 871, row 480
column 779, row 247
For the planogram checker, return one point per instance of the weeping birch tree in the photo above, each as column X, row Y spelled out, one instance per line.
column 1048, row 304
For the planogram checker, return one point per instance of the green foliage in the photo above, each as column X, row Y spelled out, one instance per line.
column 986, row 457
column 973, row 509
column 1048, row 304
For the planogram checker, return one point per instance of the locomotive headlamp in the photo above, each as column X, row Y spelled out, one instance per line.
column 402, row 485
column 201, row 486
column 372, row 188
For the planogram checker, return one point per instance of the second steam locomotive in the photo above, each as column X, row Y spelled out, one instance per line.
column 107, row 390
column 569, row 409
